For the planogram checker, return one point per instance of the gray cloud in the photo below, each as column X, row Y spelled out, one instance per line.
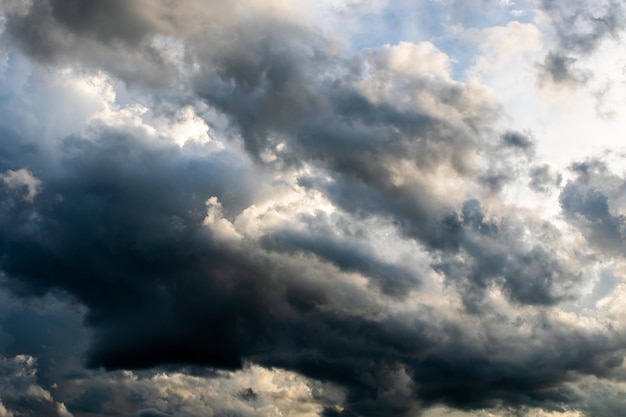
column 127, row 224
column 518, row 140
column 20, row 393
column 580, row 29
column 350, row 255
column 151, row 412
column 159, row 281
column 586, row 203
column 544, row 178
column 558, row 68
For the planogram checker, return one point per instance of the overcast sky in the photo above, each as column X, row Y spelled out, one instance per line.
column 329, row 208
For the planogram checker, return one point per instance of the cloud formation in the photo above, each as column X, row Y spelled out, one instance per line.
column 23, row 182
column 235, row 195
column 20, row 393
column 581, row 29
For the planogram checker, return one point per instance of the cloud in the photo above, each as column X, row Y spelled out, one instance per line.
column 20, row 393
column 255, row 200
column 517, row 140
column 580, row 28
column 167, row 285
column 580, row 31
column 252, row 391
column 544, row 178
column 559, row 69
column 151, row 412
column 348, row 255
column 593, row 203
column 22, row 182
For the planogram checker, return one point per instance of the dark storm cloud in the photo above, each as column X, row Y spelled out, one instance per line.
column 347, row 254
column 119, row 224
column 357, row 140
column 108, row 22
column 16, row 151
column 104, row 212
column 111, row 35
column 492, row 251
column 46, row 330
column 161, row 289
column 299, row 89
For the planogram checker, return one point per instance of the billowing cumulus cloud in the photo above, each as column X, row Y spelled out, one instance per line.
column 252, row 391
column 20, row 393
column 230, row 210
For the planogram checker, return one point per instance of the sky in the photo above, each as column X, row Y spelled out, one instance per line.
column 332, row 208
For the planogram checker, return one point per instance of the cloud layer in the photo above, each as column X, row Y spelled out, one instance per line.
column 239, row 203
